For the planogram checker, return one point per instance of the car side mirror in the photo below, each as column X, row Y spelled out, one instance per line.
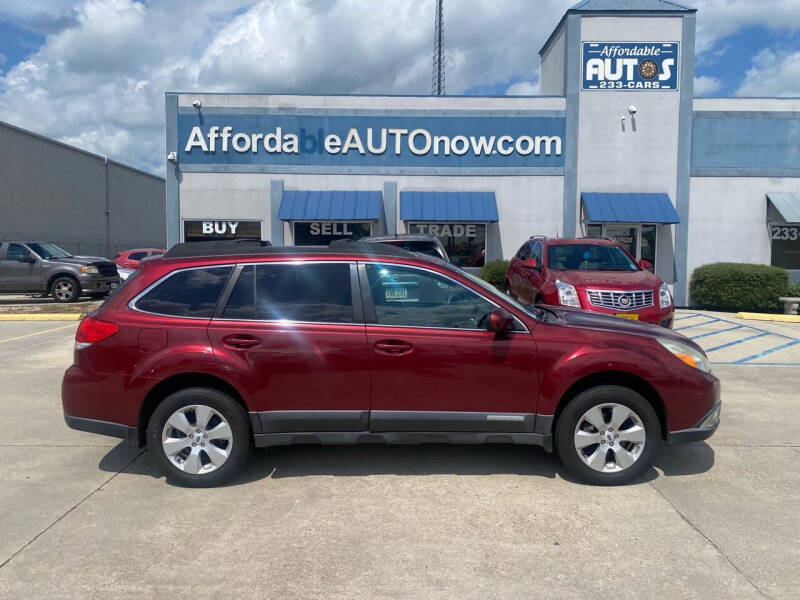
column 26, row 258
column 500, row 321
column 646, row 264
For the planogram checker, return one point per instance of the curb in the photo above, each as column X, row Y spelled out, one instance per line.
column 41, row 316
column 765, row 317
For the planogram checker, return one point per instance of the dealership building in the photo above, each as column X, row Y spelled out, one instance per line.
column 616, row 145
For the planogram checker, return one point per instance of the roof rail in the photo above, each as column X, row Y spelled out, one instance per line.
column 215, row 247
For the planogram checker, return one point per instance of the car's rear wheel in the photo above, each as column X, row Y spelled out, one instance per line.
column 608, row 435
column 200, row 437
column 65, row 289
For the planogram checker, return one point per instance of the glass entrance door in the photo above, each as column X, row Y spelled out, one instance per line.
column 638, row 239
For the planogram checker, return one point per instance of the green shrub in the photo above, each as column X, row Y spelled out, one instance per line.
column 794, row 290
column 494, row 272
column 735, row 286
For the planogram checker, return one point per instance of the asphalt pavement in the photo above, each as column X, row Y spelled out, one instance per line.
column 84, row 517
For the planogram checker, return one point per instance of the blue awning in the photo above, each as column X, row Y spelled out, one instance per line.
column 477, row 207
column 330, row 205
column 629, row 208
column 787, row 203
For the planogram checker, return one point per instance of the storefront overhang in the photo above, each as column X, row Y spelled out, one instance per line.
column 446, row 207
column 787, row 204
column 330, row 205
column 629, row 208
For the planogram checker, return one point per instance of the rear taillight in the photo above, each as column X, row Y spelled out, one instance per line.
column 94, row 330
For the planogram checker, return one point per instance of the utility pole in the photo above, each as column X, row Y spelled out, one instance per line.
column 437, row 88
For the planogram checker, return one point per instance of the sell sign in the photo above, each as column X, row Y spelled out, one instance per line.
column 630, row 66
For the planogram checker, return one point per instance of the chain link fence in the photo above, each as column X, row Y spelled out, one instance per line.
column 81, row 246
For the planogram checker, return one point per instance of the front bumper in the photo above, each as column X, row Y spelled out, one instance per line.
column 117, row 430
column 92, row 283
column 702, row 430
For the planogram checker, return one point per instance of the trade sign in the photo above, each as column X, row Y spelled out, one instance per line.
column 630, row 66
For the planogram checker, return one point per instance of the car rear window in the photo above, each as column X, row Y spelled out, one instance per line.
column 318, row 293
column 187, row 293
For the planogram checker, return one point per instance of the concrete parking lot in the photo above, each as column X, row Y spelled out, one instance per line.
column 84, row 517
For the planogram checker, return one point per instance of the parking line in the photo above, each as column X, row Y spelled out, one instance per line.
column 716, row 332
column 27, row 335
column 713, row 320
column 744, row 339
column 686, row 317
column 765, row 352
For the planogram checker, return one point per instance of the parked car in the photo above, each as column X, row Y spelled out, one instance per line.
column 597, row 275
column 45, row 268
column 202, row 355
column 423, row 243
column 129, row 259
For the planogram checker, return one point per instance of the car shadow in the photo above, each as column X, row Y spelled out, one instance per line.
column 424, row 459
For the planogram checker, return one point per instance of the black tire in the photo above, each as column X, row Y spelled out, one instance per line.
column 98, row 295
column 227, row 407
column 507, row 288
column 65, row 289
column 565, row 430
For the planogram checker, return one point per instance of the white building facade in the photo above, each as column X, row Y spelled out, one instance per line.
column 616, row 145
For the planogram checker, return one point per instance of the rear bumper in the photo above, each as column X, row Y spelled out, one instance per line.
column 703, row 430
column 117, row 430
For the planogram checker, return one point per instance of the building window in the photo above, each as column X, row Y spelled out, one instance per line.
column 638, row 239
column 204, row 231
column 465, row 242
column 322, row 233
column 785, row 245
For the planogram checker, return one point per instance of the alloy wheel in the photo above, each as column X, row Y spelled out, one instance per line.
column 197, row 439
column 609, row 437
column 63, row 290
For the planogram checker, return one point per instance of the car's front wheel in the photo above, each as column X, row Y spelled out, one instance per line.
column 200, row 437
column 608, row 435
column 65, row 289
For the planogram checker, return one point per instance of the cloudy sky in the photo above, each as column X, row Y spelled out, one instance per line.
column 93, row 73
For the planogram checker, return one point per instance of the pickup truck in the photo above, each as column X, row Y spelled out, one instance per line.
column 45, row 268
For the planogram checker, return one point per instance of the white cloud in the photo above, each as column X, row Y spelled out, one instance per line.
column 523, row 88
column 772, row 74
column 99, row 79
column 705, row 86
column 719, row 18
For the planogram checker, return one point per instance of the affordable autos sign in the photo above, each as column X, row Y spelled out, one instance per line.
column 333, row 141
column 630, row 65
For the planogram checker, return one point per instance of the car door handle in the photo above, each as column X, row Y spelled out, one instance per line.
column 241, row 341
column 393, row 347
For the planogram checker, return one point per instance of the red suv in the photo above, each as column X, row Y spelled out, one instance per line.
column 593, row 274
column 129, row 259
column 202, row 357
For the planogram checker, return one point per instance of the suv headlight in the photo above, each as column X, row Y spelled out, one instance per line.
column 91, row 269
column 664, row 297
column 693, row 358
column 567, row 296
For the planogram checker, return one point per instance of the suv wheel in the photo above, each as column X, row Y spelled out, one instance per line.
column 65, row 289
column 607, row 435
column 200, row 437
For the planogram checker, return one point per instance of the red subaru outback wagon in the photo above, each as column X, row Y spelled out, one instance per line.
column 593, row 274
column 218, row 347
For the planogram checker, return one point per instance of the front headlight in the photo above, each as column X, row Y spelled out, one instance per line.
column 693, row 358
column 91, row 269
column 664, row 297
column 567, row 296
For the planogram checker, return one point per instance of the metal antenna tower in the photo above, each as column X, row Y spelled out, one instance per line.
column 437, row 87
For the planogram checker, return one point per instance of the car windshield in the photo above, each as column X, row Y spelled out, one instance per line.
column 48, row 251
column 589, row 257
column 493, row 291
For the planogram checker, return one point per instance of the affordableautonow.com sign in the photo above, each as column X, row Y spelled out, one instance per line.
column 630, row 66
column 208, row 138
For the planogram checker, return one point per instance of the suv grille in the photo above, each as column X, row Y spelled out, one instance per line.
column 107, row 269
column 620, row 300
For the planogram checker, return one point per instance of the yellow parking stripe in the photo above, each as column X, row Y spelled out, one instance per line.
column 27, row 335
column 41, row 316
